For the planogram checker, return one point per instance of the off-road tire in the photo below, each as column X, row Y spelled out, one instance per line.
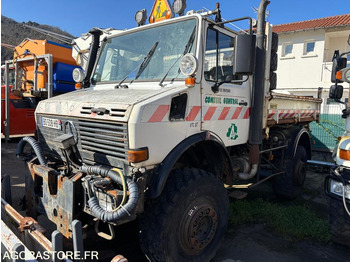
column 274, row 62
column 274, row 44
column 339, row 223
column 188, row 221
column 273, row 81
column 290, row 184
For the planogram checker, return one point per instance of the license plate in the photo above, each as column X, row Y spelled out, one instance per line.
column 51, row 123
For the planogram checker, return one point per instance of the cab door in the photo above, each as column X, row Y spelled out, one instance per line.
column 225, row 97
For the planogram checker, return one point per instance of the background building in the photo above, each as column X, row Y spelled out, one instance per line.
column 305, row 55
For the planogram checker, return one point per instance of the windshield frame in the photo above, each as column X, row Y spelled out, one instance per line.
column 142, row 28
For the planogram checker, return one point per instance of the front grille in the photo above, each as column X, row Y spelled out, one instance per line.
column 113, row 112
column 99, row 142
column 109, row 139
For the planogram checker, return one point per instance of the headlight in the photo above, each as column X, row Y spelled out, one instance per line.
column 345, row 74
column 179, row 6
column 141, row 17
column 337, row 189
column 188, row 65
column 78, row 75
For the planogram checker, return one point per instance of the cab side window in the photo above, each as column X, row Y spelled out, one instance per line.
column 219, row 57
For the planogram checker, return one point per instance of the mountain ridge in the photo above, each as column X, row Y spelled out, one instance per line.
column 13, row 33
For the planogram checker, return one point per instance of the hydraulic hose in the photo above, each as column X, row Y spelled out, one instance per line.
column 343, row 184
column 125, row 210
column 344, row 200
column 36, row 147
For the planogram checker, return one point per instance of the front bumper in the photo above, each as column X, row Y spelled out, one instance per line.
column 54, row 195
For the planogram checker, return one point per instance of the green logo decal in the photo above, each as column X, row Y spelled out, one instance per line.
column 232, row 132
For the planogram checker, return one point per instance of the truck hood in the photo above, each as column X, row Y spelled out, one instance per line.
column 113, row 104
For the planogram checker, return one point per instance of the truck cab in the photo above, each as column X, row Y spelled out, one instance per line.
column 337, row 183
column 148, row 103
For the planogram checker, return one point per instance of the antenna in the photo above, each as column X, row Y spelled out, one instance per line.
column 12, row 47
column 66, row 39
column 224, row 20
column 255, row 9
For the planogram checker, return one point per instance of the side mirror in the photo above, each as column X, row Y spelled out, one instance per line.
column 336, row 92
column 338, row 64
column 244, row 63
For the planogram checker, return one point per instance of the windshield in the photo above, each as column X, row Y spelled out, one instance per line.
column 122, row 54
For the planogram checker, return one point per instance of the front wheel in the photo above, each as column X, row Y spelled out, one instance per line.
column 188, row 221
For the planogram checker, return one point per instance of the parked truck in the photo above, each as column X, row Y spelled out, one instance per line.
column 40, row 69
column 171, row 115
column 337, row 184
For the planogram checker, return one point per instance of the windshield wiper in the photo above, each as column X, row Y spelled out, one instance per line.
column 186, row 50
column 141, row 66
column 146, row 61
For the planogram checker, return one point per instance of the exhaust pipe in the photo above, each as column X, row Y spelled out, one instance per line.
column 95, row 44
column 254, row 155
column 255, row 132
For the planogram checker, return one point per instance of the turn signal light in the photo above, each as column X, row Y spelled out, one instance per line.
column 190, row 81
column 78, row 86
column 344, row 154
column 339, row 75
column 138, row 155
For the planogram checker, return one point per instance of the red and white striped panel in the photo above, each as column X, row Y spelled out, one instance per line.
column 285, row 114
column 307, row 113
column 159, row 114
column 290, row 113
column 212, row 113
column 194, row 114
column 271, row 114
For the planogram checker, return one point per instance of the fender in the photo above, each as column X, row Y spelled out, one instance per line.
column 162, row 172
column 302, row 138
column 294, row 137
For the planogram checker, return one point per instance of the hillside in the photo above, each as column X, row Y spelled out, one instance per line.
column 13, row 33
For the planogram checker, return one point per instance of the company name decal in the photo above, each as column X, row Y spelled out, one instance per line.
column 220, row 100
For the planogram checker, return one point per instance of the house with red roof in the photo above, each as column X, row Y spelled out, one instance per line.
column 305, row 55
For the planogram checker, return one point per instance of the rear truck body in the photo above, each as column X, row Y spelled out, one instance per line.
column 337, row 184
column 145, row 139
column 40, row 69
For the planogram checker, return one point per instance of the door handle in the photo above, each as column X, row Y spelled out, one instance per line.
column 243, row 103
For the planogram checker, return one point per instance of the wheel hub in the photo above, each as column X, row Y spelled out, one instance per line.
column 198, row 228
column 300, row 173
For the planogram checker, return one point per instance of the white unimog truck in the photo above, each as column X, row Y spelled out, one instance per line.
column 170, row 115
column 337, row 184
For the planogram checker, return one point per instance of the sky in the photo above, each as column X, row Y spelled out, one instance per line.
column 79, row 16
